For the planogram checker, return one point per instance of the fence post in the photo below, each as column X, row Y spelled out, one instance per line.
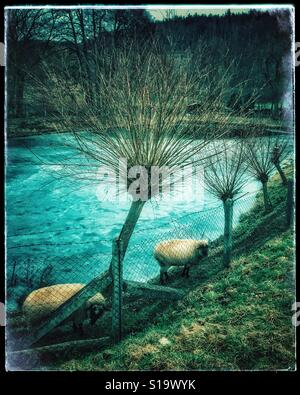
column 290, row 203
column 117, row 298
column 228, row 217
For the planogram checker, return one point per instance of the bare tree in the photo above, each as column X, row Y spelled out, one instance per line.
column 225, row 177
column 138, row 112
column 29, row 35
column 262, row 152
column 277, row 156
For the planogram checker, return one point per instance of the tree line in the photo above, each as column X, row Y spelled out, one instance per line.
column 257, row 44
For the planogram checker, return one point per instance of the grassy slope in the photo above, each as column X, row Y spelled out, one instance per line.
column 233, row 319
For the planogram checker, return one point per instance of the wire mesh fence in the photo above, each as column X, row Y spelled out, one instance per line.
column 140, row 263
column 39, row 287
column 24, row 275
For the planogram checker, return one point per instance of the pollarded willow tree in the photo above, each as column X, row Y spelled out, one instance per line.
column 264, row 152
column 134, row 108
column 225, row 177
column 278, row 155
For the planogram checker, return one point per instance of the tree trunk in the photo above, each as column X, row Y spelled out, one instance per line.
column 228, row 212
column 11, row 97
column 128, row 227
column 20, row 96
column 130, row 222
column 290, row 203
column 281, row 172
column 267, row 201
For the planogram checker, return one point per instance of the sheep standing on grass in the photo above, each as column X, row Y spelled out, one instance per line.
column 40, row 303
column 179, row 253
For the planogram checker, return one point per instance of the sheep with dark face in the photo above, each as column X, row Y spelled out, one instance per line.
column 185, row 253
column 40, row 303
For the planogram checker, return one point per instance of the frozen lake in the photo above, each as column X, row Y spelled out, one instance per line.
column 54, row 220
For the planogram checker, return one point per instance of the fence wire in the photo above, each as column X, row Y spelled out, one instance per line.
column 38, row 286
column 140, row 263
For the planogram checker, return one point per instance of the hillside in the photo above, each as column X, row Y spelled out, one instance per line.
column 235, row 319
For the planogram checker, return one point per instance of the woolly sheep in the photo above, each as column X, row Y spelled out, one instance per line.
column 179, row 253
column 40, row 303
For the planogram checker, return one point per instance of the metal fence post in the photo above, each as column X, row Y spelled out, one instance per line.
column 290, row 203
column 117, row 299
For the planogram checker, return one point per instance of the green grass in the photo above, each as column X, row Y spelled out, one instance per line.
column 233, row 319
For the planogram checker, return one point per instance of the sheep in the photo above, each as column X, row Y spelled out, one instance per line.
column 40, row 303
column 179, row 253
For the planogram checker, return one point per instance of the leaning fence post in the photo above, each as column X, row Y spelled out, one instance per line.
column 117, row 275
column 290, row 203
column 228, row 214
